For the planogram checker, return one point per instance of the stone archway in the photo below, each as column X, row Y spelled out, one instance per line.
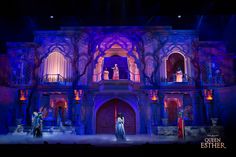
column 58, row 106
column 173, row 104
column 173, row 63
column 172, row 110
column 116, row 46
column 60, row 110
column 106, row 115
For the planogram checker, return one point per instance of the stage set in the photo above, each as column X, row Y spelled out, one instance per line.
column 166, row 82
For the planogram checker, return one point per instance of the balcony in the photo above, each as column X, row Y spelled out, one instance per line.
column 172, row 81
column 117, row 85
column 55, row 79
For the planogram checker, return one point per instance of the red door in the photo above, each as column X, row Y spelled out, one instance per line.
column 106, row 115
column 172, row 112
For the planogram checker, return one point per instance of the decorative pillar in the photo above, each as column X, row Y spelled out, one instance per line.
column 209, row 102
column 155, row 111
column 23, row 101
column 71, row 105
column 78, row 103
column 196, row 115
column 149, row 119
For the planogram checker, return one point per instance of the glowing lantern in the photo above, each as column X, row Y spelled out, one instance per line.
column 23, row 95
column 208, row 94
column 78, row 94
column 153, row 95
column 66, row 106
column 52, row 103
column 165, row 105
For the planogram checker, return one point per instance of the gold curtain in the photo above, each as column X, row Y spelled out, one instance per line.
column 56, row 64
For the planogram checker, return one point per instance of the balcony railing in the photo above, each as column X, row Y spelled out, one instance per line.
column 215, row 81
column 128, row 76
column 55, row 79
column 185, row 80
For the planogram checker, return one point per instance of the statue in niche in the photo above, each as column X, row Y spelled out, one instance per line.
column 179, row 75
column 115, row 72
column 106, row 74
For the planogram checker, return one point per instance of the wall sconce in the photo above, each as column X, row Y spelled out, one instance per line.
column 66, row 106
column 78, row 94
column 153, row 95
column 165, row 105
column 208, row 94
column 23, row 95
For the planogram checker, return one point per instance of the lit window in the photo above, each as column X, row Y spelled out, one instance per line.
column 56, row 68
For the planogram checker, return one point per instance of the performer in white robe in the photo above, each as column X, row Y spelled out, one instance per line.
column 115, row 72
column 179, row 75
column 120, row 129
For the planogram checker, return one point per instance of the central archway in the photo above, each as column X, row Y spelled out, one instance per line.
column 106, row 115
column 112, row 46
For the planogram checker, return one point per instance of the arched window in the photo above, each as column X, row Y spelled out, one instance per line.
column 175, row 64
column 57, row 68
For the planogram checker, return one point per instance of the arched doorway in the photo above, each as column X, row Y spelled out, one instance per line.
column 60, row 111
column 174, row 62
column 172, row 110
column 106, row 115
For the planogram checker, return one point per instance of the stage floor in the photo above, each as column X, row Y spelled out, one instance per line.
column 98, row 140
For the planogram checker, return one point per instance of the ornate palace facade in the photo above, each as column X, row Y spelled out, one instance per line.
column 162, row 72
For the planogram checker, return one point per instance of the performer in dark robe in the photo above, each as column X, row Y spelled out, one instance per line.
column 37, row 124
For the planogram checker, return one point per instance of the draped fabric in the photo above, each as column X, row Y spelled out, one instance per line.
column 56, row 64
column 180, row 128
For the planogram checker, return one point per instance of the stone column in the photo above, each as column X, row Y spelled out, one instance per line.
column 149, row 118
column 199, row 110
column 156, row 116
column 71, row 105
column 210, row 111
column 195, row 109
column 22, row 112
column 78, row 123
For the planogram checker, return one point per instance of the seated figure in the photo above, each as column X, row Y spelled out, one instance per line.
column 106, row 74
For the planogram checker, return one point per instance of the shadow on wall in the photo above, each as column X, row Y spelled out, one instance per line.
column 226, row 104
column 8, row 100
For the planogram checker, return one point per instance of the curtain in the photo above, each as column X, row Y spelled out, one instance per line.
column 56, row 64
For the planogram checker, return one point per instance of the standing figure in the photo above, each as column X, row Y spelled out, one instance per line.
column 120, row 129
column 179, row 75
column 37, row 121
column 106, row 74
column 181, row 132
column 115, row 72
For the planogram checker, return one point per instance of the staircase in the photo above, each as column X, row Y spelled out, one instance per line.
column 46, row 130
